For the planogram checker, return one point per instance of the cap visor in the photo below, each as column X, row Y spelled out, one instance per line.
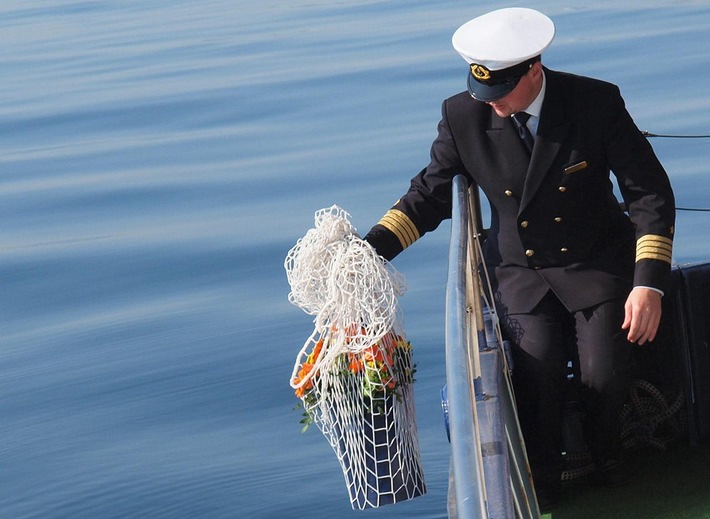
column 488, row 93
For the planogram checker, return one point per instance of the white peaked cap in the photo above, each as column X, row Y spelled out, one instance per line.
column 504, row 38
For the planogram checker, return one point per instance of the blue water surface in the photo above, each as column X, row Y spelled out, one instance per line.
column 158, row 159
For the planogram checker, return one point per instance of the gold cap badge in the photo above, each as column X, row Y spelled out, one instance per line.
column 480, row 72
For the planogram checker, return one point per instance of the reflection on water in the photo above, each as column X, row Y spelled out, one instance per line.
column 157, row 162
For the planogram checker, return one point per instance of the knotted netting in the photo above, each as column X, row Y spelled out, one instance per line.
column 354, row 374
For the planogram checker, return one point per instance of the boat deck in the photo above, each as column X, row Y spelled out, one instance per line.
column 670, row 484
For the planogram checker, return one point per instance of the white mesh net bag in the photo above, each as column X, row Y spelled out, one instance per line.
column 354, row 373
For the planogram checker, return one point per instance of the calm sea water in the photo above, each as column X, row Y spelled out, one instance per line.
column 157, row 161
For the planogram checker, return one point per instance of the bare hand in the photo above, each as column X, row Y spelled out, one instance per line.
column 642, row 315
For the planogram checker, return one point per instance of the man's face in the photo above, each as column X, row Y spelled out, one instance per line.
column 522, row 95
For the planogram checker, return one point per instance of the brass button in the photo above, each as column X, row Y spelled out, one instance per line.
column 558, row 219
column 563, row 249
column 508, row 192
column 562, row 189
column 524, row 224
column 529, row 253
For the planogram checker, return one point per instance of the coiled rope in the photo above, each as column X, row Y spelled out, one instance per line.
column 649, row 418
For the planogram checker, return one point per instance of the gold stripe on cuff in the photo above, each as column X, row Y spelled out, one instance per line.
column 654, row 246
column 402, row 227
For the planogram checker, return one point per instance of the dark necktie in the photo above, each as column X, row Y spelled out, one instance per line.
column 523, row 130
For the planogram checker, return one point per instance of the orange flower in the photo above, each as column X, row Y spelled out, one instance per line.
column 313, row 356
column 388, row 342
column 379, row 363
column 356, row 365
column 305, row 370
column 390, row 382
column 378, row 354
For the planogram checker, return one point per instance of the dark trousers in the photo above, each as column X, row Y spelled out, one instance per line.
column 543, row 342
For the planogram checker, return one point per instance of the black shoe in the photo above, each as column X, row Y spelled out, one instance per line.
column 611, row 474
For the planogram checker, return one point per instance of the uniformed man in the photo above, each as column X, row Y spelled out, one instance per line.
column 571, row 271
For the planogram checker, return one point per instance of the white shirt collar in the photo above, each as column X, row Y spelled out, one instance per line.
column 535, row 108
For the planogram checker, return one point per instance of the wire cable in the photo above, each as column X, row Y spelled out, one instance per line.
column 646, row 133
column 622, row 205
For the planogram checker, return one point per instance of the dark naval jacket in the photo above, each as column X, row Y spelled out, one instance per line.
column 556, row 223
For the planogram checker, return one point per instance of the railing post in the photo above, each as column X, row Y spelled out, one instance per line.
column 465, row 446
column 490, row 477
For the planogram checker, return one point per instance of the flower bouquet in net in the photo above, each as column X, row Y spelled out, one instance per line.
column 354, row 374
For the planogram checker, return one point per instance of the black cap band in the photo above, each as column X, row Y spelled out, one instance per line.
column 490, row 85
column 507, row 75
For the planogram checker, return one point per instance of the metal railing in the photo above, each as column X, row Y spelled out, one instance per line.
column 490, row 476
column 466, row 466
